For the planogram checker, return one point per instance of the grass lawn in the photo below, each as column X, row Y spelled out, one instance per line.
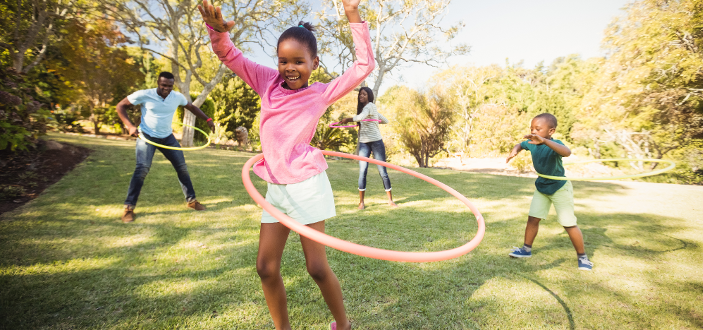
column 67, row 262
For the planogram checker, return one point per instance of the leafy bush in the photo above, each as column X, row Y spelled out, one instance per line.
column 330, row 138
column 208, row 107
column 8, row 192
column 68, row 122
column 23, row 112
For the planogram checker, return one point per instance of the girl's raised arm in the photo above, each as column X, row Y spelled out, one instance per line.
column 365, row 62
column 255, row 75
column 213, row 17
column 351, row 9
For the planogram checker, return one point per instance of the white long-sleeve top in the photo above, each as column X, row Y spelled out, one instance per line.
column 369, row 131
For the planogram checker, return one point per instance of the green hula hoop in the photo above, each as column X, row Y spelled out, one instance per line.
column 671, row 166
column 176, row 148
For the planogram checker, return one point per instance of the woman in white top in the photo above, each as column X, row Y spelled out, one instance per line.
column 370, row 140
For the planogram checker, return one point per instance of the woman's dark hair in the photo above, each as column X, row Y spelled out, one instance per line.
column 359, row 106
column 303, row 33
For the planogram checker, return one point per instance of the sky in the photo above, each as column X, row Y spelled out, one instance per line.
column 527, row 30
column 518, row 30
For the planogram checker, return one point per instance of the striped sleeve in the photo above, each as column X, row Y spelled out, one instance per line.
column 369, row 131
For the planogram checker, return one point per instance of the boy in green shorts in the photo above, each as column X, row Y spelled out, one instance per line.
column 546, row 158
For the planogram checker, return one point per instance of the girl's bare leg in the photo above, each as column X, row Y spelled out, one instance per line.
column 272, row 240
column 320, row 271
column 361, row 200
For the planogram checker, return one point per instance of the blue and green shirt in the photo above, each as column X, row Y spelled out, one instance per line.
column 548, row 162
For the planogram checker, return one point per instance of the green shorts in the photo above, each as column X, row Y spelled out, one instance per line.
column 563, row 200
column 306, row 202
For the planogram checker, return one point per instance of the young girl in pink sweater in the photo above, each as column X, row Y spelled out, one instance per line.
column 294, row 170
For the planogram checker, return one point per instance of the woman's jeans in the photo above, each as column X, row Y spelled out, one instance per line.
column 145, row 154
column 379, row 153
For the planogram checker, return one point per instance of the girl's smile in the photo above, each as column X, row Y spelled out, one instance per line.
column 295, row 63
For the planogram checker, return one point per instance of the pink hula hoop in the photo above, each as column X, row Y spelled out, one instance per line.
column 361, row 250
column 333, row 124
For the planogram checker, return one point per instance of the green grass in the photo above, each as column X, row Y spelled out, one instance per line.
column 67, row 262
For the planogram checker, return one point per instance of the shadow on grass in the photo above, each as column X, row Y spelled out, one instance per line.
column 567, row 310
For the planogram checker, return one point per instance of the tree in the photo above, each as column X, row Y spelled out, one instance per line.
column 23, row 113
column 423, row 121
column 29, row 27
column 178, row 28
column 97, row 67
column 402, row 31
column 236, row 104
column 650, row 93
column 208, row 107
column 468, row 89
column 332, row 138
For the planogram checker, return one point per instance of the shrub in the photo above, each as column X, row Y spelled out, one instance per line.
column 23, row 114
column 208, row 107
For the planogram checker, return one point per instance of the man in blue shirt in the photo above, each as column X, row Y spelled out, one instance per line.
column 158, row 106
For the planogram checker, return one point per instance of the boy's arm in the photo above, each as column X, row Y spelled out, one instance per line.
column 561, row 149
column 516, row 149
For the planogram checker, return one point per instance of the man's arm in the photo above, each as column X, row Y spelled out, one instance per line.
column 200, row 114
column 122, row 112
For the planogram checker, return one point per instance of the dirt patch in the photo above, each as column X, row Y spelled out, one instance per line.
column 24, row 175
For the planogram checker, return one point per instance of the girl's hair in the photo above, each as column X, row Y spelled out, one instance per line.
column 359, row 106
column 303, row 33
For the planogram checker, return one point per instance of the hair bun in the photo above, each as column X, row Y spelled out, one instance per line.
column 306, row 26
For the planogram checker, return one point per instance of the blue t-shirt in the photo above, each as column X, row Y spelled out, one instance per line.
column 157, row 112
column 548, row 162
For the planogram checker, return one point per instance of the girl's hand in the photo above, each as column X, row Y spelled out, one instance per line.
column 346, row 120
column 534, row 139
column 351, row 9
column 351, row 4
column 213, row 17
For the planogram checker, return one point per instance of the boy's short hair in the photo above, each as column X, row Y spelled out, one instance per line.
column 549, row 118
column 167, row 75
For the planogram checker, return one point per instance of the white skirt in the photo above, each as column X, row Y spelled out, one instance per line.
column 306, row 202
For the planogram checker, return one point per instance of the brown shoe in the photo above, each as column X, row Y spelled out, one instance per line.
column 128, row 215
column 196, row 205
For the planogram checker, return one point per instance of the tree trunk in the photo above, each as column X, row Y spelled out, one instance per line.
column 379, row 80
column 18, row 60
column 188, row 117
column 188, row 132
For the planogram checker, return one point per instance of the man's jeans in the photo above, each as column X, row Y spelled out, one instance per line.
column 145, row 154
column 379, row 153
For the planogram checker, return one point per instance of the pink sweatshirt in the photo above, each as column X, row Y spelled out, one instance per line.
column 289, row 117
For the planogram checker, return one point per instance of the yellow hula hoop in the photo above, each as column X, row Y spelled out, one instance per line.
column 620, row 177
column 176, row 148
